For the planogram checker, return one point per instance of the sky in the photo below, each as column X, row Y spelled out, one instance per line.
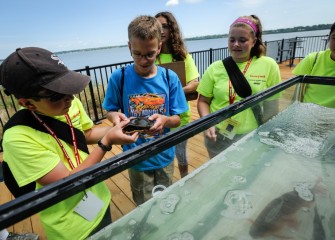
column 62, row 25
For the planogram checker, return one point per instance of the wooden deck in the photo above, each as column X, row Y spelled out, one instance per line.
column 122, row 202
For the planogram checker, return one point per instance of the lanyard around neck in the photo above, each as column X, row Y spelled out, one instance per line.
column 53, row 134
column 232, row 93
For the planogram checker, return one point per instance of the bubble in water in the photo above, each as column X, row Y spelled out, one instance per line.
column 239, row 179
column 234, row 165
column 187, row 192
column 306, row 195
column 238, row 205
column 187, row 236
column 304, row 190
column 174, row 236
column 180, row 236
column 131, row 222
column 168, row 204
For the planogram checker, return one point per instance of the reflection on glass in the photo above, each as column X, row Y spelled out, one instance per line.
column 276, row 182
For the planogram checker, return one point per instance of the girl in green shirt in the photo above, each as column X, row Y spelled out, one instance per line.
column 216, row 91
column 173, row 49
column 319, row 64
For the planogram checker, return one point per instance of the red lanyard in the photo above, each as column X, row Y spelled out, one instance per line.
column 231, row 94
column 53, row 134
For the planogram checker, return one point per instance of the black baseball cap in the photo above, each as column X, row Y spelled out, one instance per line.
column 26, row 70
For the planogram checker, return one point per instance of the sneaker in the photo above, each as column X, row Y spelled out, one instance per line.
column 22, row 236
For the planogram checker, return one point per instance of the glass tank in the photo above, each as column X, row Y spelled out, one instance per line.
column 276, row 182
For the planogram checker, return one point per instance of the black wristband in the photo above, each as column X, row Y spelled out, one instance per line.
column 103, row 146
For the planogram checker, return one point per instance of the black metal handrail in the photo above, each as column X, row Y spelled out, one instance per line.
column 31, row 203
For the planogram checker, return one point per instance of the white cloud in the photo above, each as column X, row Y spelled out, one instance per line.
column 172, row 3
column 193, row 1
column 176, row 2
column 251, row 3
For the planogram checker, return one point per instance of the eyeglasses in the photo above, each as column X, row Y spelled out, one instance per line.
column 54, row 97
column 149, row 56
column 165, row 27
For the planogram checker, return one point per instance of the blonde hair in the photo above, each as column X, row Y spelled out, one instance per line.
column 146, row 28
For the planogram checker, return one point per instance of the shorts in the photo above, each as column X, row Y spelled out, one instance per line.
column 142, row 183
column 181, row 153
column 222, row 143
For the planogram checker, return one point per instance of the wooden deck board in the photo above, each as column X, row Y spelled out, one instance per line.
column 119, row 185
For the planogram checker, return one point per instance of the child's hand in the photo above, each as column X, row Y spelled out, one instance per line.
column 116, row 117
column 211, row 134
column 116, row 135
column 159, row 123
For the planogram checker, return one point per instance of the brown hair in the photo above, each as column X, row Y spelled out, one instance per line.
column 178, row 48
column 145, row 27
column 332, row 29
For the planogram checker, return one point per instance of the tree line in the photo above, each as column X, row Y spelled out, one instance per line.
column 281, row 30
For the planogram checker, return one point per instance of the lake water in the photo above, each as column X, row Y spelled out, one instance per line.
column 92, row 58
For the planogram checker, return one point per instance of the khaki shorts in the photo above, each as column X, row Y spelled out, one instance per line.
column 142, row 183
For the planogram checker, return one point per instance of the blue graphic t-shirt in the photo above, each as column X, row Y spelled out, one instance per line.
column 143, row 97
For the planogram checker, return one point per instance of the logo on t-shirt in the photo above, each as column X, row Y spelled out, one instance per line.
column 141, row 105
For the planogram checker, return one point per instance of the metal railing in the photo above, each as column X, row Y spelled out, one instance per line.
column 92, row 97
column 293, row 48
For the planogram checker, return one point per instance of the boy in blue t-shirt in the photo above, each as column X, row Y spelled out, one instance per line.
column 147, row 91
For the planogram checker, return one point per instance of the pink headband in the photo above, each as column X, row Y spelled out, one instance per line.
column 246, row 21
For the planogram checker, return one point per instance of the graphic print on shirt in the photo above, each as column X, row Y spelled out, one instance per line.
column 147, row 104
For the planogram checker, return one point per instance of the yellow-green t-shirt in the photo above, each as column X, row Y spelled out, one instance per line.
column 262, row 73
column 320, row 65
column 31, row 154
column 191, row 73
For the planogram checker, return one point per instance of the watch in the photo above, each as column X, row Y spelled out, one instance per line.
column 103, row 146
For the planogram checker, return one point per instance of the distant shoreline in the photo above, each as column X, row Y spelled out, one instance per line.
column 90, row 49
column 265, row 32
column 282, row 30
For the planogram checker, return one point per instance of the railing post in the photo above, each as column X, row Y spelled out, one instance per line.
column 281, row 48
column 293, row 51
column 326, row 42
column 90, row 85
column 210, row 55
